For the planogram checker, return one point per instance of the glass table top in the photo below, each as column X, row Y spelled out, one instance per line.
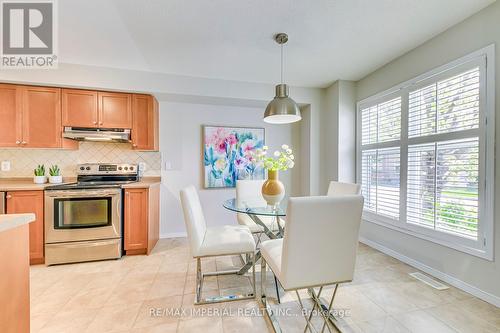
column 256, row 207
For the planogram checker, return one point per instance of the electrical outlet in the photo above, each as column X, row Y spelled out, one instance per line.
column 5, row 165
column 168, row 165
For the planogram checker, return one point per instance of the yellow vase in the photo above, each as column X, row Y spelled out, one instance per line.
column 273, row 190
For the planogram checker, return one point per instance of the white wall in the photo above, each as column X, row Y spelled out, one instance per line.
column 472, row 34
column 181, row 146
column 337, row 127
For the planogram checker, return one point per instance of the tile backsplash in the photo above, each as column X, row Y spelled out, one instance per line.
column 23, row 161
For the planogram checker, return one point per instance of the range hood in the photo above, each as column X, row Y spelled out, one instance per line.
column 97, row 134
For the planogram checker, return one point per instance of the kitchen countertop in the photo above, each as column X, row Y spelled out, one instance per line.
column 145, row 182
column 9, row 221
column 26, row 184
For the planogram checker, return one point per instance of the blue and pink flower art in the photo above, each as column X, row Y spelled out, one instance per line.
column 229, row 155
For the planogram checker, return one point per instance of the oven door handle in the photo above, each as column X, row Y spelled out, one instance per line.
column 85, row 194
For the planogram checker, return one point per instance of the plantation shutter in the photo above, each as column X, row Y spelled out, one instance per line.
column 380, row 157
column 443, row 174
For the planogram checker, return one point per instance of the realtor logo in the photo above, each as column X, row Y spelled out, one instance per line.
column 28, row 31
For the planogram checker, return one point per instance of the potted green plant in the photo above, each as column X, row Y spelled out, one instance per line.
column 55, row 175
column 40, row 177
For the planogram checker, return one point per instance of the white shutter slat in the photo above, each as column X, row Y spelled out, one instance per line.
column 446, row 106
column 381, row 122
column 388, row 161
column 421, row 185
column 457, row 197
column 442, row 194
column 368, row 180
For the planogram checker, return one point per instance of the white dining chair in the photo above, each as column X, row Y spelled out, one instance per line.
column 214, row 241
column 249, row 193
column 318, row 249
column 339, row 189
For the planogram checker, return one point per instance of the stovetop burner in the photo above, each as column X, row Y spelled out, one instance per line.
column 101, row 176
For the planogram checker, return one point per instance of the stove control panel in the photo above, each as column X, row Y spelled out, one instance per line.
column 106, row 169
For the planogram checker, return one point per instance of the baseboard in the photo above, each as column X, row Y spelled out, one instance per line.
column 485, row 296
column 174, row 235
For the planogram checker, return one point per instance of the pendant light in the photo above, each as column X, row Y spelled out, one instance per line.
column 282, row 109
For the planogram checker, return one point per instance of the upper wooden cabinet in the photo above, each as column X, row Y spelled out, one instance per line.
column 34, row 117
column 31, row 117
column 115, row 110
column 41, row 117
column 85, row 108
column 11, row 133
column 144, row 122
column 79, row 108
column 20, row 202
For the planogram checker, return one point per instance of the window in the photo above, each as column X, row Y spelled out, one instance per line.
column 425, row 155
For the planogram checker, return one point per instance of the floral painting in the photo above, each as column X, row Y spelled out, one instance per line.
column 229, row 155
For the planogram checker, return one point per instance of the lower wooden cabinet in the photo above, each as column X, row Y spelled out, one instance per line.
column 141, row 219
column 14, row 281
column 20, row 202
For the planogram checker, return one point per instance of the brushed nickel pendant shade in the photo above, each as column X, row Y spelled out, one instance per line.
column 282, row 109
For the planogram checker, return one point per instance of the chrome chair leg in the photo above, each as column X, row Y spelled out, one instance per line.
column 199, row 280
column 254, row 258
column 263, row 299
column 263, row 281
column 314, row 307
column 219, row 299
column 277, row 289
column 325, row 317
column 324, row 310
column 309, row 325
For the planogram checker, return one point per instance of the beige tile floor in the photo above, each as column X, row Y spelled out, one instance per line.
column 119, row 295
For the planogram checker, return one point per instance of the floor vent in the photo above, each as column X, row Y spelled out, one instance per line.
column 430, row 281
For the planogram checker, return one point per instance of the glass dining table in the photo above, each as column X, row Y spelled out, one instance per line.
column 256, row 209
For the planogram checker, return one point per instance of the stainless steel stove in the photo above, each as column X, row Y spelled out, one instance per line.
column 83, row 220
column 93, row 175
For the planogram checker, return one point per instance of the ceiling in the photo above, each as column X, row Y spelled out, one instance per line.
column 232, row 39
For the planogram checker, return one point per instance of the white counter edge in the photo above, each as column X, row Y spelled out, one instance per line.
column 9, row 221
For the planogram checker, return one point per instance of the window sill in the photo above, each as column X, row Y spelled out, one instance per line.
column 486, row 253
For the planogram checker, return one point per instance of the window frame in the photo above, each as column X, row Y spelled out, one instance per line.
column 484, row 59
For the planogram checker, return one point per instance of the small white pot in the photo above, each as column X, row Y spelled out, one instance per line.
column 39, row 179
column 55, row 179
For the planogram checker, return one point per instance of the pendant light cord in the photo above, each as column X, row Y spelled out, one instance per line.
column 282, row 76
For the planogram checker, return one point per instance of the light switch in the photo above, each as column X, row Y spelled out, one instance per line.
column 5, row 165
column 168, row 165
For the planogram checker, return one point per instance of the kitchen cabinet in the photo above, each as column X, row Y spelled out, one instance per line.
column 41, row 117
column 144, row 122
column 141, row 220
column 115, row 110
column 11, row 124
column 31, row 117
column 34, row 117
column 79, row 108
column 91, row 109
column 19, row 202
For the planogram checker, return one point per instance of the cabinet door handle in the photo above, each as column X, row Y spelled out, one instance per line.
column 18, row 142
column 8, row 196
column 24, row 142
column 95, row 122
column 100, row 123
column 134, row 145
